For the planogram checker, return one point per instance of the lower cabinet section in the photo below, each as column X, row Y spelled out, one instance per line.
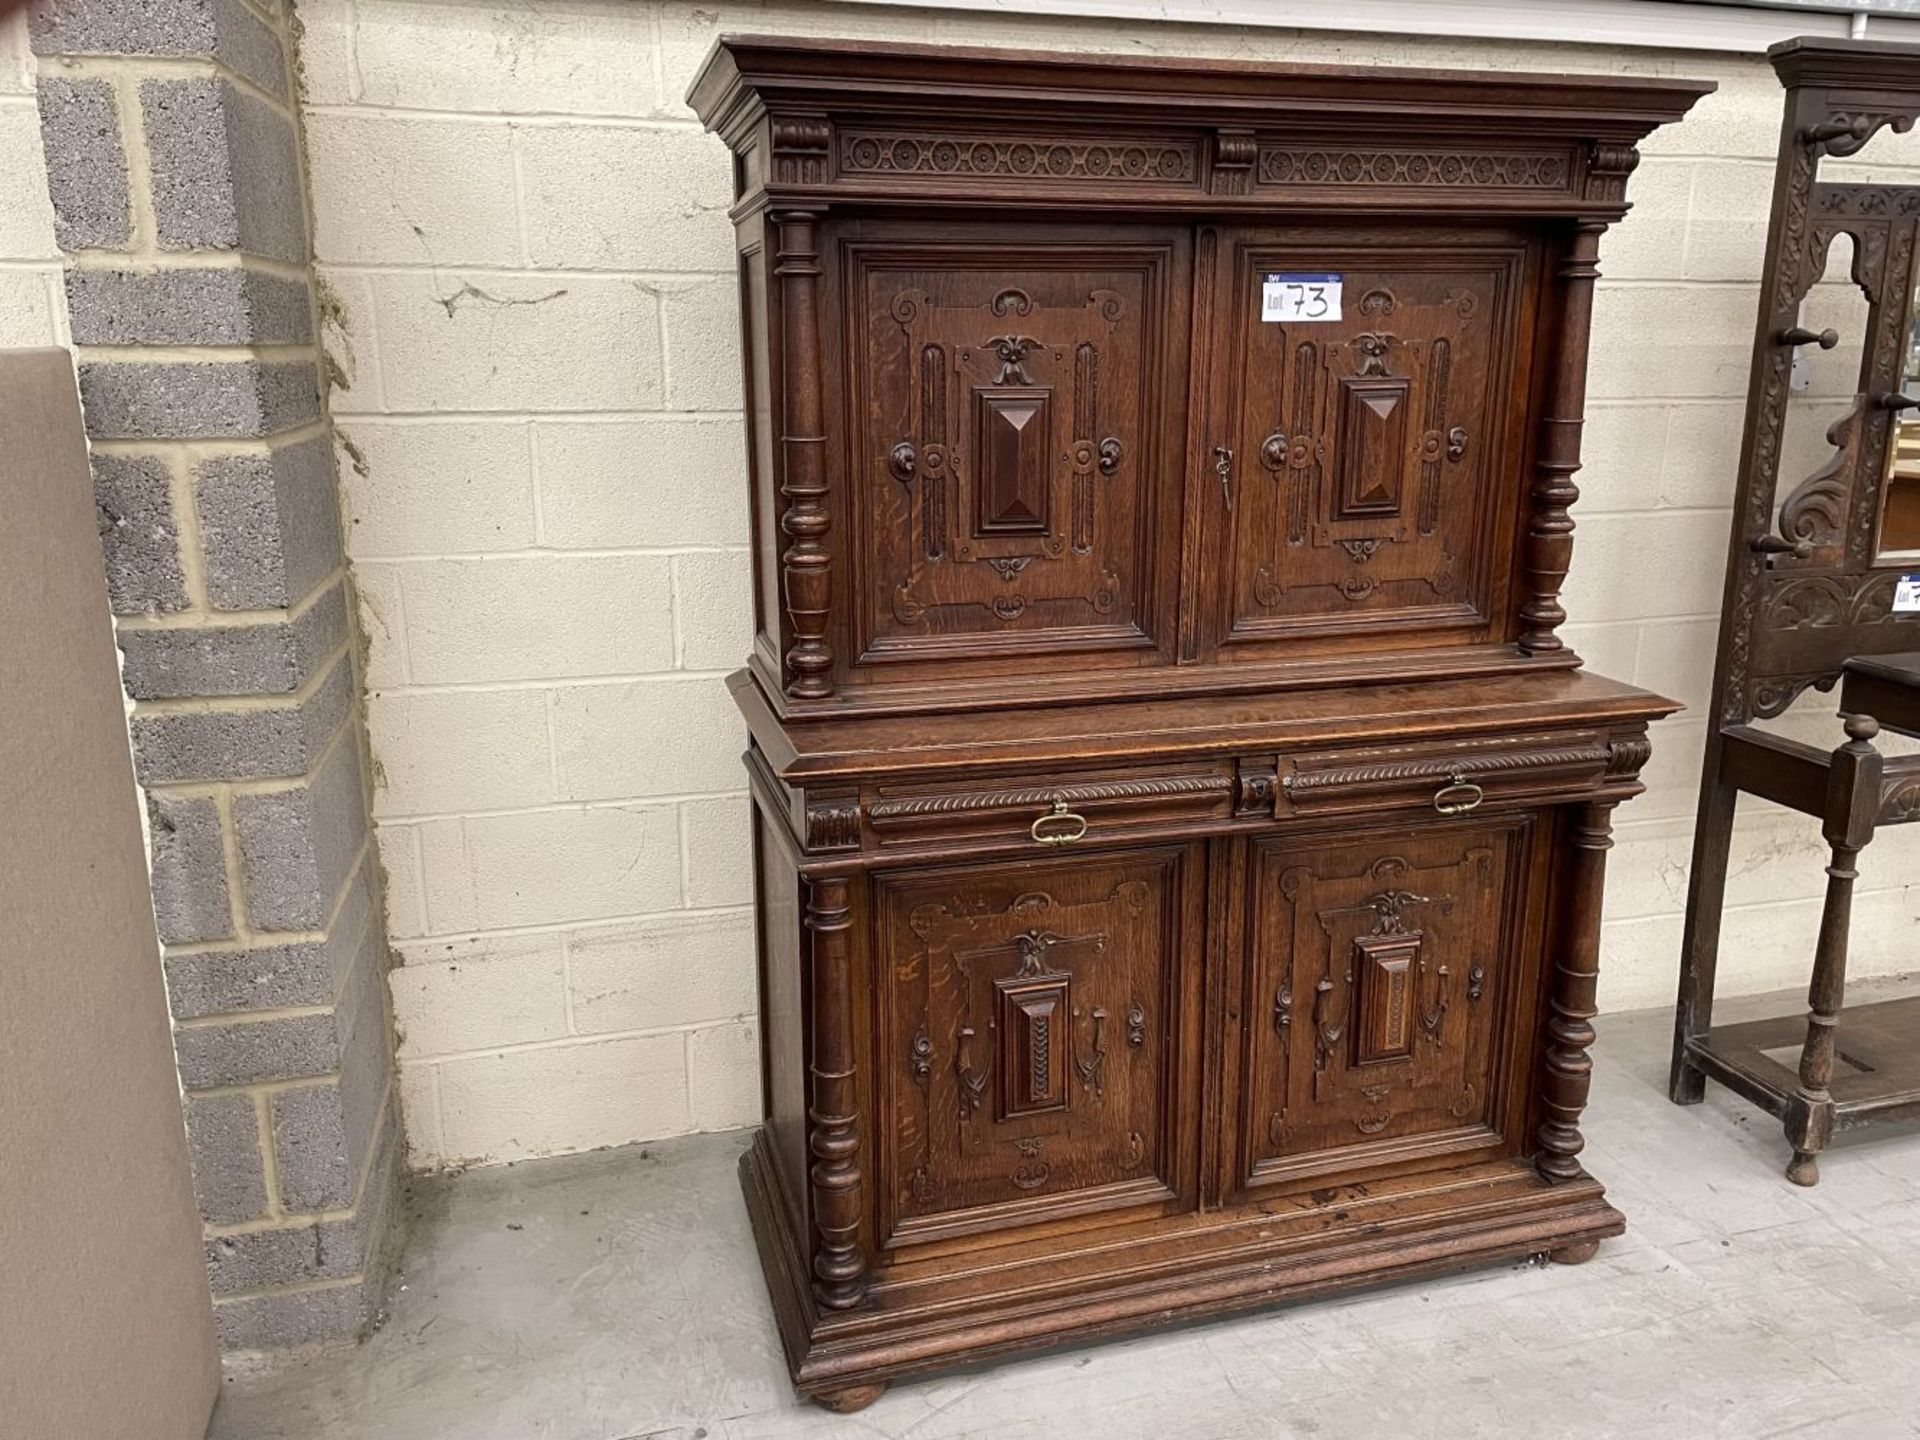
column 1034, row 1058
column 1057, row 1092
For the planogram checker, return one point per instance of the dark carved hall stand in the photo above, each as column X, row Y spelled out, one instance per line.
column 1810, row 601
column 1179, row 826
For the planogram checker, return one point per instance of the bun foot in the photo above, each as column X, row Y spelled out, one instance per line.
column 1577, row 1253
column 854, row 1397
column 1804, row 1168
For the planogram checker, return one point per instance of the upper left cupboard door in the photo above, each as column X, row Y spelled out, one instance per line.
column 1015, row 417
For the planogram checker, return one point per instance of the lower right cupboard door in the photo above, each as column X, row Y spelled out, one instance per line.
column 1387, row 1003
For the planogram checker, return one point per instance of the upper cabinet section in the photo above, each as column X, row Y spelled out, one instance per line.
column 1073, row 378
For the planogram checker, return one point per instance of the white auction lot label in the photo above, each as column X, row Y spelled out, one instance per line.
column 1285, row 295
column 1906, row 594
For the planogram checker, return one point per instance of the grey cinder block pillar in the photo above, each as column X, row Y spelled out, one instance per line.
column 173, row 152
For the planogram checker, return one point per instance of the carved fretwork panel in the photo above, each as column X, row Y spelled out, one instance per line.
column 1010, row 468
column 1812, row 587
column 1376, row 973
column 1033, row 1018
column 1370, row 448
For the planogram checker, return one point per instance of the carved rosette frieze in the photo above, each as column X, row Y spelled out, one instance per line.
column 1418, row 169
column 926, row 153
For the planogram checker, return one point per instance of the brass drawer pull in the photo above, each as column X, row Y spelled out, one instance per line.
column 1059, row 826
column 1458, row 796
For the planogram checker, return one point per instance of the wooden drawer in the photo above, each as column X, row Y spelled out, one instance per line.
column 1050, row 810
column 1450, row 776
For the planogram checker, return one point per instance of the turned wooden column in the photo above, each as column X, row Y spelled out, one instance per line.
column 1571, row 1004
column 839, row 1269
column 1853, row 799
column 807, row 563
column 1549, row 546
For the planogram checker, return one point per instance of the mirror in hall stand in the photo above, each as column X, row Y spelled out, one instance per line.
column 1900, row 515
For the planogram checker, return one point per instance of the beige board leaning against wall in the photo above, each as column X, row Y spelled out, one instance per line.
column 533, row 309
column 96, row 1208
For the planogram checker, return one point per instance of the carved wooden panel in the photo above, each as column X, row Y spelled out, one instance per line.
column 1011, row 465
column 1370, row 450
column 1377, row 969
column 1031, row 1039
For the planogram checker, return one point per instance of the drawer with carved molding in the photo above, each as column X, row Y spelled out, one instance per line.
column 1051, row 810
column 1451, row 777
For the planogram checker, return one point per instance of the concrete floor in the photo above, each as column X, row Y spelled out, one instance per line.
column 615, row 1296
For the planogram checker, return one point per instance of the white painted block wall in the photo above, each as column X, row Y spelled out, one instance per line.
column 33, row 308
column 523, row 232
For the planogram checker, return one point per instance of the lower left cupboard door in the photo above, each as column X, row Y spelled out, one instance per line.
column 1034, row 1020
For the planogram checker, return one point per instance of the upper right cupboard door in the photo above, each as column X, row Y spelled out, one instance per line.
column 1368, row 408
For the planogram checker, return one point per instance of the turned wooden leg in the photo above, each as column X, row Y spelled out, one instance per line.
column 1577, row 1253
column 1700, row 944
column 854, row 1397
column 1571, row 1003
column 839, row 1269
column 1809, row 1121
column 1853, row 793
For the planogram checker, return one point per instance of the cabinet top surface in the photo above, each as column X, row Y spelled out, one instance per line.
column 1214, row 725
column 861, row 74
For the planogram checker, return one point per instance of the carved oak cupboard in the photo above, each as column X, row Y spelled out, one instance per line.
column 1178, row 822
